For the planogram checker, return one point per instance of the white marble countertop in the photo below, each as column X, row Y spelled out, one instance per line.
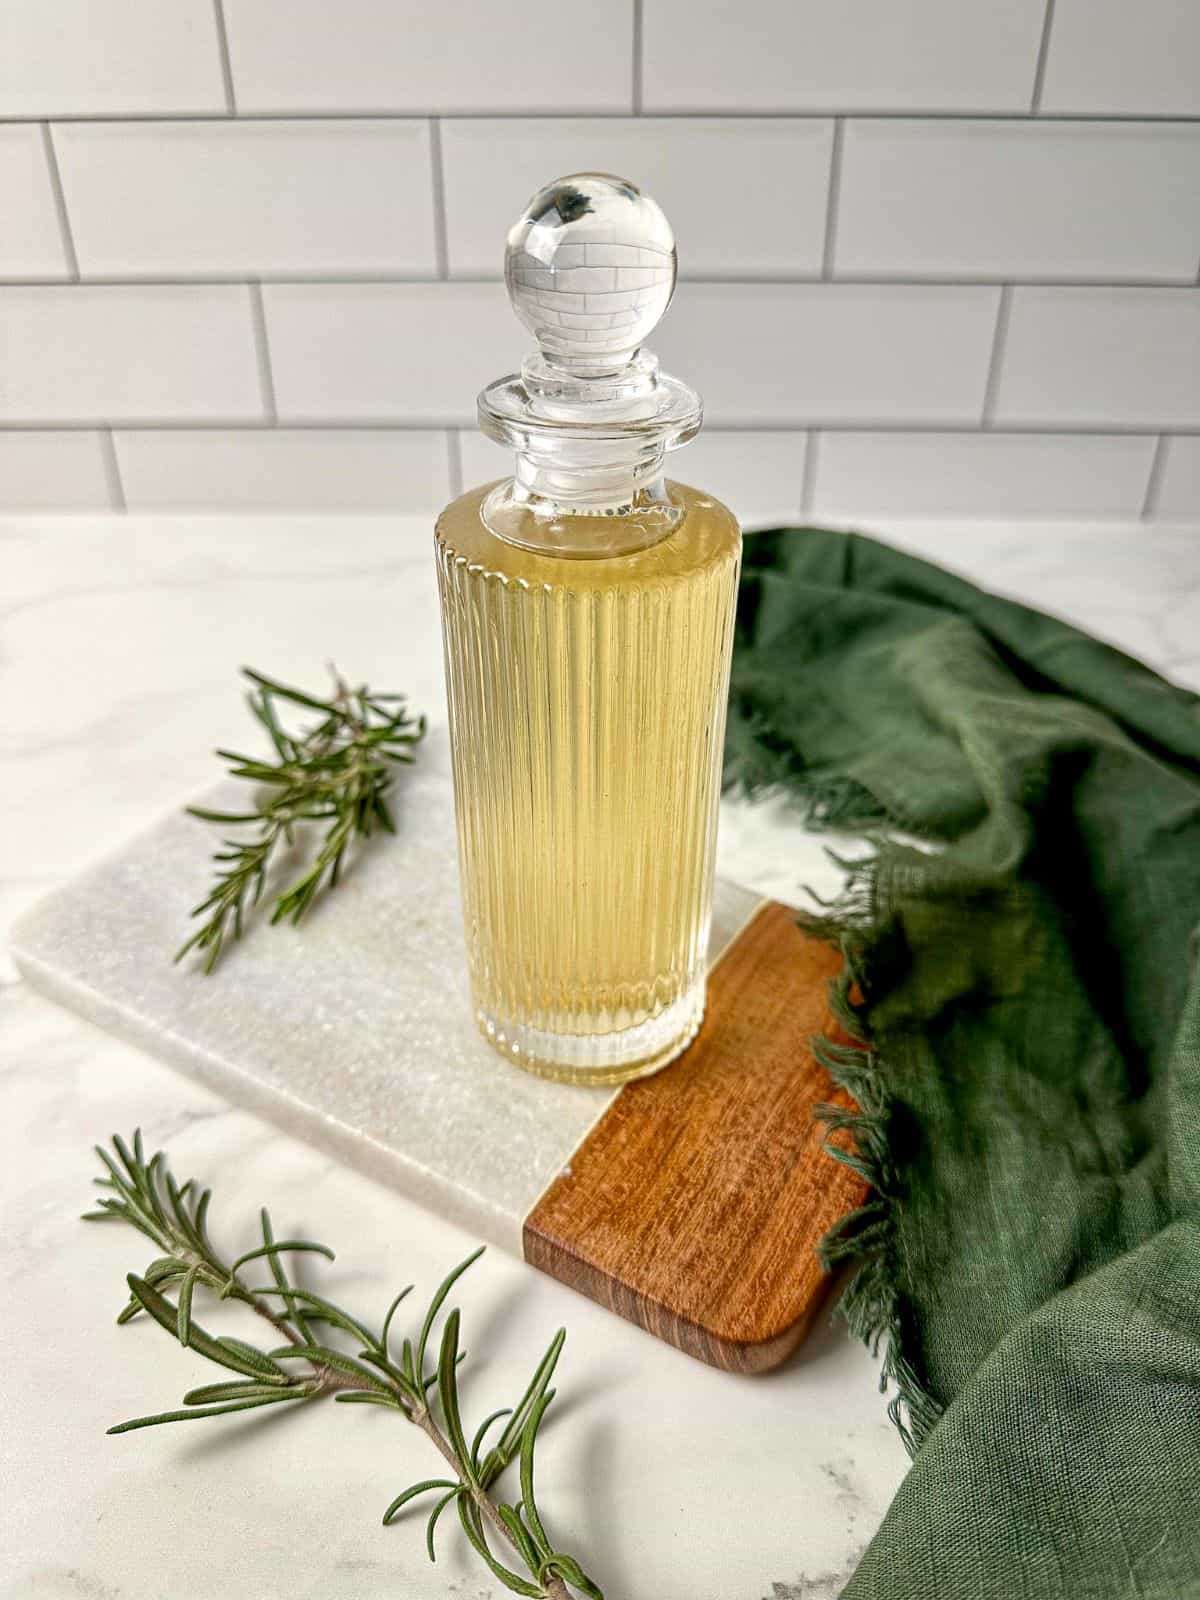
column 121, row 640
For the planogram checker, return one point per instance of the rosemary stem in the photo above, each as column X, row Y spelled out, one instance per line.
column 329, row 781
column 144, row 1194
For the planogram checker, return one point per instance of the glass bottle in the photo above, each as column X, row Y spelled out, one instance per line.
column 587, row 616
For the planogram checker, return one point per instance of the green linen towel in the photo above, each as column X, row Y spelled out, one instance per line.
column 1029, row 1001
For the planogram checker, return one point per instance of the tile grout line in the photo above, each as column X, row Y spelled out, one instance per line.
column 112, row 470
column 437, row 180
column 454, row 461
column 384, row 113
column 832, row 199
column 60, row 202
column 262, row 353
column 1158, row 465
column 808, row 484
column 748, row 279
column 390, row 423
column 225, row 58
column 636, row 93
column 996, row 361
column 1043, row 56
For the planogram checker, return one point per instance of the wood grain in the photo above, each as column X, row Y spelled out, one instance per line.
column 695, row 1206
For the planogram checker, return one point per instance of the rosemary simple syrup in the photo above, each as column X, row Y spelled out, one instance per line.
column 587, row 708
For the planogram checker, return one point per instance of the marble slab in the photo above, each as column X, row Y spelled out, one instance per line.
column 354, row 1032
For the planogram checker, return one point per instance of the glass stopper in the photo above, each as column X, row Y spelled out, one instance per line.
column 590, row 269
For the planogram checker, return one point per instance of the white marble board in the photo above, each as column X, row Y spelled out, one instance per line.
column 354, row 1032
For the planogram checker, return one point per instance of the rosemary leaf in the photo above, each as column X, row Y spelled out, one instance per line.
column 368, row 1397
column 477, row 1442
column 284, row 1244
column 527, row 1443
column 435, row 1305
column 183, row 1308
column 210, row 1393
column 412, row 1492
column 282, row 1282
column 391, row 1312
column 435, row 1514
column 332, row 1360
column 511, row 1517
column 502, row 1453
column 448, row 1393
column 468, row 1515
column 194, row 1414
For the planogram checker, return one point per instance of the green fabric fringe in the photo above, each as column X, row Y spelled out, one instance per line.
column 828, row 802
column 866, row 1239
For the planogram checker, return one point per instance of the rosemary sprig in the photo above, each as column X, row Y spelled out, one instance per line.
column 349, row 1361
column 336, row 771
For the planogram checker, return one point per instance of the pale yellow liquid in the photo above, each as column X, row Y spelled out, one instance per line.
column 587, row 711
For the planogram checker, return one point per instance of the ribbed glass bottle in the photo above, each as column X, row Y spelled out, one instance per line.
column 587, row 708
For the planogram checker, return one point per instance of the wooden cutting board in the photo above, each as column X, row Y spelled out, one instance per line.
column 695, row 1205
column 690, row 1203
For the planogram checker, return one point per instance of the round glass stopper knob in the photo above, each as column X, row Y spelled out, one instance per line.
column 590, row 269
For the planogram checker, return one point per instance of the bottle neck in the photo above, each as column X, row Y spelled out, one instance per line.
column 602, row 479
column 589, row 451
column 606, row 513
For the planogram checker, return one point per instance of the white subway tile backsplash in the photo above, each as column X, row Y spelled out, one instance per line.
column 1003, row 199
column 287, row 469
column 45, row 470
column 249, row 197
column 358, row 199
column 705, row 172
column 813, row 353
column 840, row 55
column 90, row 57
column 410, row 55
column 81, row 353
column 404, row 352
column 981, row 474
column 1113, row 56
column 1179, row 487
column 1129, row 357
column 30, row 241
column 760, row 476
